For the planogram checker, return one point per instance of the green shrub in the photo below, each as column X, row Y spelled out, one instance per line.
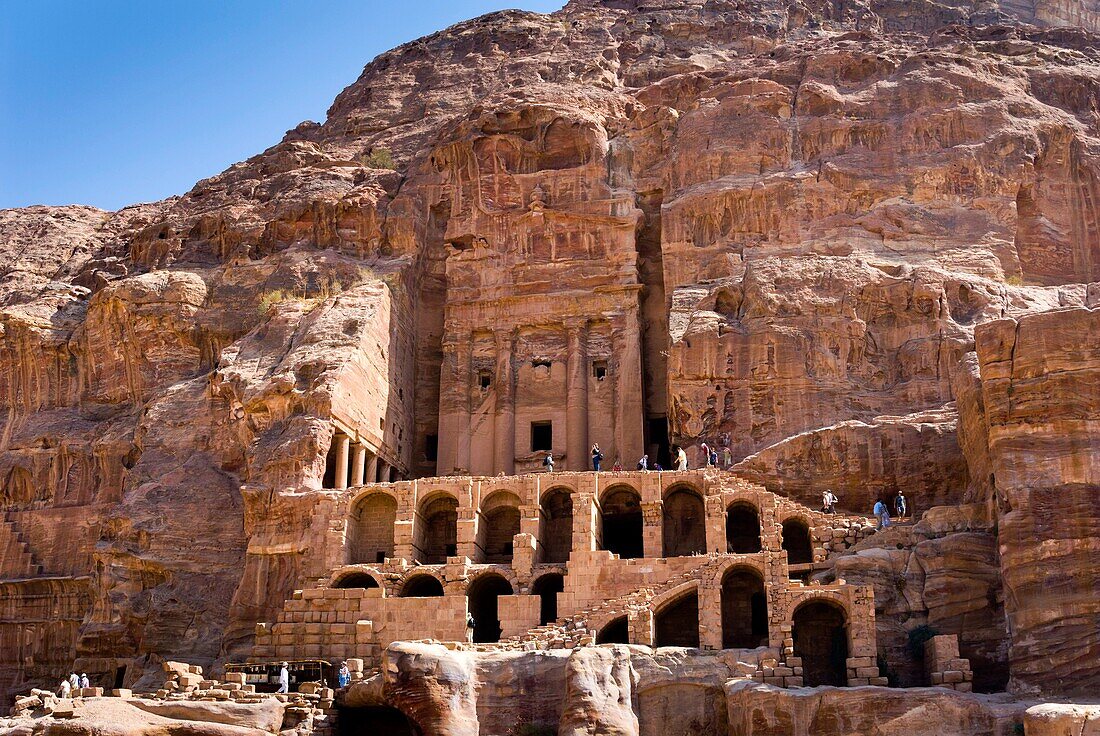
column 380, row 158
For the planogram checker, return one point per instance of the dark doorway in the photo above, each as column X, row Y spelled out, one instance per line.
column 658, row 442
column 440, row 533
column 482, row 604
column 557, row 525
column 742, row 529
column 677, row 624
column 547, row 588
column 375, row 721
column 422, row 586
column 499, row 525
column 744, row 610
column 621, row 523
column 370, row 529
column 684, row 526
column 821, row 640
column 356, row 580
column 542, row 436
column 796, row 540
column 616, row 632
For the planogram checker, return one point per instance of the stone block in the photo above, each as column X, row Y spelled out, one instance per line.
column 122, row 693
column 952, row 676
column 237, row 677
column 866, row 671
column 91, row 692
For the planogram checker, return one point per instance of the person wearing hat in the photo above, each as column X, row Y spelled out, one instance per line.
column 84, row 681
column 284, row 678
column 344, row 675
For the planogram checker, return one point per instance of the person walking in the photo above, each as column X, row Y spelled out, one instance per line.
column 883, row 515
column 713, row 458
column 284, row 678
column 681, row 459
column 597, row 456
column 727, row 458
column 74, row 681
column 84, row 681
column 900, row 506
column 828, row 502
column 706, row 454
column 66, row 689
column 643, row 464
column 548, row 462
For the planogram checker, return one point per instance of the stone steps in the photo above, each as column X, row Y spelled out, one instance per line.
column 16, row 558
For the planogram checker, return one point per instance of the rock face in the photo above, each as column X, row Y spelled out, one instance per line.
column 850, row 245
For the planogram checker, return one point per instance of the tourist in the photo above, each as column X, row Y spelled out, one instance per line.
column 727, row 458
column 681, row 459
column 617, row 467
column 657, row 467
column 74, row 681
column 643, row 464
column 882, row 514
column 84, row 681
column 706, row 454
column 828, row 502
column 713, row 461
column 597, row 456
column 344, row 676
column 470, row 627
column 548, row 462
column 66, row 689
column 284, row 678
column 900, row 507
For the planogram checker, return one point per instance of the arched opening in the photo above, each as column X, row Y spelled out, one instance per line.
column 547, row 588
column 370, row 529
column 621, row 522
column 438, row 539
column 796, row 540
column 498, row 525
column 557, row 525
column 742, row 529
column 677, row 624
column 614, row 632
column 378, row 719
column 821, row 640
column 744, row 609
column 356, row 580
column 684, row 527
column 422, row 586
column 482, row 597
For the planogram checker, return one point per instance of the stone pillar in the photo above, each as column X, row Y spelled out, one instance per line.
column 710, row 612
column 576, row 397
column 584, row 522
column 371, row 474
column 504, row 428
column 629, row 396
column 715, row 524
column 653, row 529
column 343, row 442
column 530, row 522
column 383, row 471
column 358, row 464
column 454, row 405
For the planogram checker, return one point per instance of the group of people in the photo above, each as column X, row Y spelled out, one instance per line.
column 72, row 683
column 680, row 460
column 881, row 511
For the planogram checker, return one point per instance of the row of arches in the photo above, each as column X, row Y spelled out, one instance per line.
column 620, row 527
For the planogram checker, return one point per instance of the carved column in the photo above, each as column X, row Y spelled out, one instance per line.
column 653, row 529
column 504, row 428
column 372, row 469
column 342, row 444
column 576, row 396
column 358, row 464
column 629, row 395
column 454, row 405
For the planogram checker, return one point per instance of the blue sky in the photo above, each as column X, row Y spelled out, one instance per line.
column 109, row 103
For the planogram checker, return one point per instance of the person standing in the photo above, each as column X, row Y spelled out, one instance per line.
column 597, row 456
column 643, row 464
column 66, row 689
column 706, row 454
column 284, row 678
column 713, row 462
column 828, row 502
column 882, row 514
column 900, row 506
column 84, row 681
column 727, row 458
column 548, row 462
column 470, row 623
column 344, row 676
column 74, row 681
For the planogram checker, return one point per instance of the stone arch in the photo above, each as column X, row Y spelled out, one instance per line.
column 621, row 521
column 370, row 527
column 820, row 632
column 797, row 541
column 556, row 524
column 615, row 631
column 547, row 587
column 357, row 579
column 498, row 525
column 684, row 528
column 742, row 528
column 744, row 608
column 437, row 528
column 481, row 596
column 676, row 621
column 422, row 585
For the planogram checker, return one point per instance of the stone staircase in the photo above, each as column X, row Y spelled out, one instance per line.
column 17, row 562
